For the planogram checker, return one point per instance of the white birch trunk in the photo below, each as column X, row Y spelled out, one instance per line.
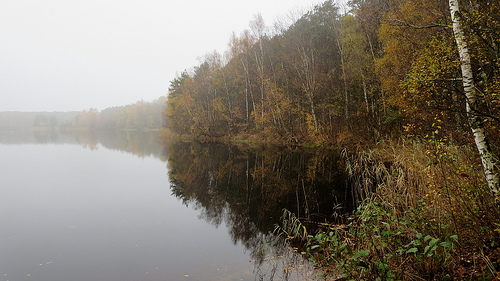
column 475, row 122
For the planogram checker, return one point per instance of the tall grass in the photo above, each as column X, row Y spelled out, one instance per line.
column 425, row 214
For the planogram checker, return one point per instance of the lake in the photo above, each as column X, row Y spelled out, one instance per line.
column 120, row 206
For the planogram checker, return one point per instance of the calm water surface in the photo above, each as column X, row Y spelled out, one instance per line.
column 113, row 208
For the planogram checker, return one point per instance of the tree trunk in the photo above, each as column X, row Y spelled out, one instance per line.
column 365, row 94
column 342, row 62
column 475, row 122
column 247, row 74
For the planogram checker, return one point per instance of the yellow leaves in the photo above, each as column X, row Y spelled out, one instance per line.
column 401, row 42
column 219, row 105
column 310, row 119
column 408, row 127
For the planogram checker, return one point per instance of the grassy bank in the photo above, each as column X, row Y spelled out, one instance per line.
column 425, row 214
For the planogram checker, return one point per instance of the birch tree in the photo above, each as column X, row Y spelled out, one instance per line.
column 475, row 121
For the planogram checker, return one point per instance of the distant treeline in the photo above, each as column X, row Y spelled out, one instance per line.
column 26, row 120
column 138, row 116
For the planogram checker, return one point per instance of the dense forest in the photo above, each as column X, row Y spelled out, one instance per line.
column 416, row 83
column 388, row 67
column 139, row 116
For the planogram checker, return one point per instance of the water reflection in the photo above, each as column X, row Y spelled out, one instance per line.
column 143, row 144
column 247, row 189
column 69, row 213
column 241, row 189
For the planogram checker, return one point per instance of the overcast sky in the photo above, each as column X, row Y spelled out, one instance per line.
column 71, row 55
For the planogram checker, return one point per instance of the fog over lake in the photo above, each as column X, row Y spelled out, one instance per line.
column 104, row 209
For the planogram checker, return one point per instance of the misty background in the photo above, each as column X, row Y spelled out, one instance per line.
column 73, row 55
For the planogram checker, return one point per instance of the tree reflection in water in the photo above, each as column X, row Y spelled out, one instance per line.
column 248, row 189
column 141, row 144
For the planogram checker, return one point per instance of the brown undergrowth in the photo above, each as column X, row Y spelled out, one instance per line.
column 425, row 214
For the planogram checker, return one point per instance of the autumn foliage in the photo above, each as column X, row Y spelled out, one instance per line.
column 384, row 69
column 330, row 78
